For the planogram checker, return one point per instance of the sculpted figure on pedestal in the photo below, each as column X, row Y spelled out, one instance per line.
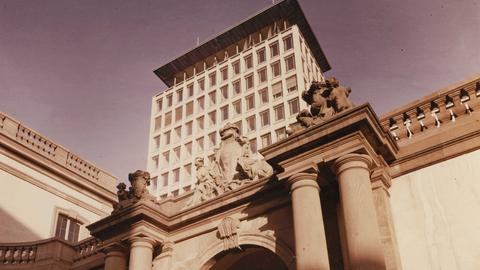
column 139, row 181
column 325, row 99
column 232, row 167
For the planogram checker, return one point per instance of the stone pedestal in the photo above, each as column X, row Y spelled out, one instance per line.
column 310, row 243
column 141, row 253
column 362, row 237
column 115, row 259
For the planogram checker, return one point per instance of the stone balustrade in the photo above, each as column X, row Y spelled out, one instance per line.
column 38, row 143
column 86, row 248
column 433, row 111
column 28, row 254
column 21, row 253
column 82, row 167
column 33, row 140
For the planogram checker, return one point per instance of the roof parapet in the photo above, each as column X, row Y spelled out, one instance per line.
column 40, row 144
column 432, row 111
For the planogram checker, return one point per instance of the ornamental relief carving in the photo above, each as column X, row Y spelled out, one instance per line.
column 228, row 232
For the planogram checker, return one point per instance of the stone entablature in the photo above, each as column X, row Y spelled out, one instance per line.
column 39, row 144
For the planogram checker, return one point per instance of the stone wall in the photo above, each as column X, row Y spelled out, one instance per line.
column 29, row 202
column 436, row 215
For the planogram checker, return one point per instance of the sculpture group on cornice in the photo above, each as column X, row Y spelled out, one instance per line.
column 326, row 98
column 232, row 167
column 233, row 164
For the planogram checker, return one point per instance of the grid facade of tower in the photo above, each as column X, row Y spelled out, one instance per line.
column 258, row 89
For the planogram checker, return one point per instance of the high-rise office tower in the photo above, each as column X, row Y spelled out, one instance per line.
column 251, row 75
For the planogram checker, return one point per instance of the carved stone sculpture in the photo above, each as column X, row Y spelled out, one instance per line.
column 338, row 97
column 139, row 181
column 325, row 99
column 207, row 187
column 232, row 167
column 228, row 232
column 231, row 149
column 122, row 193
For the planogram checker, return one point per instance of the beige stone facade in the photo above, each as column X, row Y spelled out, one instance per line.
column 47, row 192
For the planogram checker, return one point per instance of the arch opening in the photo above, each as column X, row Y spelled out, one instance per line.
column 249, row 257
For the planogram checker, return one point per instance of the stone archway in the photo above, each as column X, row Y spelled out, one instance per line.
column 250, row 257
column 209, row 257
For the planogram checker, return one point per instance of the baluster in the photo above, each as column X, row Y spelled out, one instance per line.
column 32, row 255
column 24, row 256
column 80, row 252
column 2, row 255
column 17, row 255
column 84, row 250
column 8, row 255
column 89, row 249
column 77, row 253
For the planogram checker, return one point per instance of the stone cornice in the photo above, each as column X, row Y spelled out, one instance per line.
column 40, row 153
column 358, row 119
column 357, row 130
column 258, row 192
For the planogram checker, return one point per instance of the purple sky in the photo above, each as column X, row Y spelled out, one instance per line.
column 80, row 72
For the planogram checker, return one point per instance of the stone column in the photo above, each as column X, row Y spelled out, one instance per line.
column 310, row 243
column 115, row 259
column 362, row 237
column 141, row 253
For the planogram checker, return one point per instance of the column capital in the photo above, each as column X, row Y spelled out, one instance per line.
column 303, row 179
column 352, row 160
column 380, row 178
column 142, row 241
